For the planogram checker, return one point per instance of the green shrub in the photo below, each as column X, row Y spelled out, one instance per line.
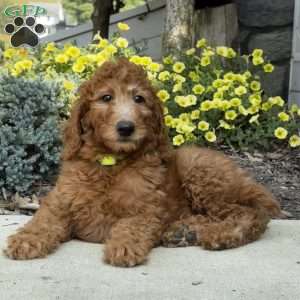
column 29, row 132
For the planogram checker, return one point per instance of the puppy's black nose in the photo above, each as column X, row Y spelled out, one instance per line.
column 125, row 128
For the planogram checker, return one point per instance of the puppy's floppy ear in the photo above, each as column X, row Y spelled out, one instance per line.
column 73, row 130
column 160, row 138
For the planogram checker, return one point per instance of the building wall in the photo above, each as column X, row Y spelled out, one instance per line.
column 268, row 24
column 145, row 23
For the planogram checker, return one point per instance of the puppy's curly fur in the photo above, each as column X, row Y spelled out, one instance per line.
column 151, row 192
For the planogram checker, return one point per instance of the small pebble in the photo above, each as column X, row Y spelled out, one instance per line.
column 196, row 282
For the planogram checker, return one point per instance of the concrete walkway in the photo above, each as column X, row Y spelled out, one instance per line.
column 268, row 269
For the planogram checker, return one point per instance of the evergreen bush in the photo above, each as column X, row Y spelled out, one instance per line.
column 29, row 132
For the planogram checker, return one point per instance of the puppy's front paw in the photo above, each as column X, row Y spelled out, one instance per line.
column 24, row 246
column 124, row 254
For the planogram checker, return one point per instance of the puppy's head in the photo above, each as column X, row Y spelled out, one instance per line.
column 119, row 110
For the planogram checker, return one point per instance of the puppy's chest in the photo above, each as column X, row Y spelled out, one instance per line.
column 119, row 195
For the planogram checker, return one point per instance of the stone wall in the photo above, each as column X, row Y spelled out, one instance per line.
column 268, row 24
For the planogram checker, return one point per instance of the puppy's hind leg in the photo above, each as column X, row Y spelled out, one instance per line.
column 241, row 226
column 237, row 207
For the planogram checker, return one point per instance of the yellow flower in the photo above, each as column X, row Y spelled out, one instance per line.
column 195, row 114
column 61, row 58
column 257, row 53
column 229, row 76
column 255, row 99
column 50, row 47
column 218, row 95
column 247, row 75
column 166, row 111
column 168, row 120
column 163, row 95
column 225, row 104
column 254, row 119
column 294, row 141
column 222, row 51
column 22, row 52
column 27, row 64
column 146, row 60
column 190, row 51
column 103, row 43
column 241, row 78
column 84, row 59
column 284, row 117
column 192, row 99
column 205, row 61
column 210, row 136
column 243, row 111
column 216, row 103
column 255, row 85
column 69, row 85
column 266, row 106
column 198, row 89
column 178, row 78
column 206, row 105
column 178, row 67
column 178, row 140
column 184, row 117
column 9, row 53
column 230, row 115
column 257, row 61
column 231, row 53
column 78, row 67
column 73, row 52
column 201, row 43
column 241, row 90
column 203, row 125
column 276, row 101
column 194, row 76
column 154, row 67
column 281, row 133
column 190, row 137
column 163, row 76
column 185, row 128
column 111, row 50
column 123, row 26
column 135, row 59
column 268, row 68
column 168, row 60
column 294, row 108
column 208, row 52
column 253, row 109
column 182, row 101
column 177, row 87
column 218, row 83
column 175, row 122
column 235, row 102
column 225, row 125
column 121, row 42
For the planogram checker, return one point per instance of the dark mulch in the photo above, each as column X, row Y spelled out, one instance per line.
column 279, row 171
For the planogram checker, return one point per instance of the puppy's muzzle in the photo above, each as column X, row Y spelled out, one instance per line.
column 125, row 128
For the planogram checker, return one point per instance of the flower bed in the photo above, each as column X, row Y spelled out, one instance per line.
column 211, row 96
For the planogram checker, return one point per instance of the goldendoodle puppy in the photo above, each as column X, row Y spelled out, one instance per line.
column 122, row 184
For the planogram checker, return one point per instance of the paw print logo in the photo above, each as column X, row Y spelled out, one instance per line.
column 24, row 31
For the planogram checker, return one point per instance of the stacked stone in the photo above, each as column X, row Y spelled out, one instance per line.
column 268, row 24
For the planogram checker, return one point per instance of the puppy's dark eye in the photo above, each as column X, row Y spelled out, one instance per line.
column 138, row 99
column 106, row 98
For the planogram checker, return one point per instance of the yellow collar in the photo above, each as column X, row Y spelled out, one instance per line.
column 109, row 159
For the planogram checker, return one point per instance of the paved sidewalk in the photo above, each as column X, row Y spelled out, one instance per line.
column 268, row 269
